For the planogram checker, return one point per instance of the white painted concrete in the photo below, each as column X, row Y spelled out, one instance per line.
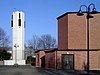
column 18, row 36
column 12, row 62
column 17, row 39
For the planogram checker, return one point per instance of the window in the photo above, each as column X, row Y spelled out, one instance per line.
column 11, row 23
column 19, row 15
column 19, row 21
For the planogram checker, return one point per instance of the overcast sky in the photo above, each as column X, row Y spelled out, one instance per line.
column 40, row 15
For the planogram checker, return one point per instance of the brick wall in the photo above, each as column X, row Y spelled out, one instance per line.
column 39, row 55
column 72, row 39
column 76, row 32
column 80, row 59
column 63, row 33
column 95, row 32
column 94, row 60
column 50, row 60
column 72, row 34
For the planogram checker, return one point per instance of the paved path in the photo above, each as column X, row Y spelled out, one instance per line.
column 28, row 70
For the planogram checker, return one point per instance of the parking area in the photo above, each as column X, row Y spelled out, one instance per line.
column 29, row 70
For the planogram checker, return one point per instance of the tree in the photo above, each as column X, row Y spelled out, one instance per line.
column 46, row 42
column 33, row 43
column 32, row 60
column 32, row 46
column 4, row 39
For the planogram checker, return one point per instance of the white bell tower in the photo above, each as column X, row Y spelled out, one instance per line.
column 17, row 24
column 18, row 35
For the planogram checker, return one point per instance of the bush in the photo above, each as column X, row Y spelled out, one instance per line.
column 31, row 60
column 4, row 55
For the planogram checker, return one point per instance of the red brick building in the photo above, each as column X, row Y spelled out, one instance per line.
column 72, row 44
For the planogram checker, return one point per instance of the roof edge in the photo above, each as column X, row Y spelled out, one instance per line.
column 68, row 13
column 52, row 49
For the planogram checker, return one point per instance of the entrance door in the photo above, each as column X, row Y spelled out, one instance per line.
column 68, row 61
column 43, row 62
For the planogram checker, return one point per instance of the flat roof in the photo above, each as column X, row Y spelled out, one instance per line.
column 68, row 13
column 46, row 50
column 51, row 50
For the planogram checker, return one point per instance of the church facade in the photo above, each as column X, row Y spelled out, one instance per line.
column 71, row 53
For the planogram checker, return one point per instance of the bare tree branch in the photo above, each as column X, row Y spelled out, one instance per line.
column 4, row 39
column 46, row 41
column 33, row 42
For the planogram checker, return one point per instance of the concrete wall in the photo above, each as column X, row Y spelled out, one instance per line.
column 12, row 62
column 18, row 35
